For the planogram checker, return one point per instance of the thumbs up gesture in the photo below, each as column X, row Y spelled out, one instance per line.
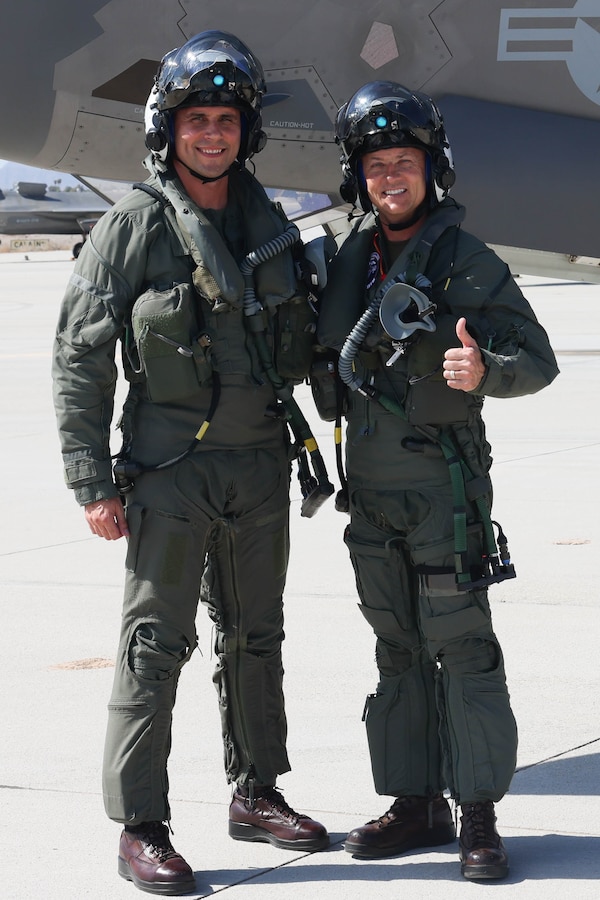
column 463, row 366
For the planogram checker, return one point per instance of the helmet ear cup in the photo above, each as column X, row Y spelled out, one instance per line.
column 445, row 175
column 257, row 139
column 155, row 140
column 259, row 143
column 157, row 132
column 349, row 189
column 253, row 138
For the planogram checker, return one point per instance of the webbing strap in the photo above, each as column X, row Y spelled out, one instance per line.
column 460, row 512
column 460, row 474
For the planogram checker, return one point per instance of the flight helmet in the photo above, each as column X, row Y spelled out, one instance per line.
column 211, row 69
column 385, row 114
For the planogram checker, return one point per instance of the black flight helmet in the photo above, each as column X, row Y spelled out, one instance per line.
column 384, row 114
column 211, row 69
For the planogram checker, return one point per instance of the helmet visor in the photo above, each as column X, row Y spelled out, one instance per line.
column 383, row 109
column 219, row 68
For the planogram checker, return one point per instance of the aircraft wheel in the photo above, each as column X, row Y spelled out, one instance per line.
column 77, row 249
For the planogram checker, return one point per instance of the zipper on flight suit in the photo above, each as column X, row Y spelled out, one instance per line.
column 239, row 707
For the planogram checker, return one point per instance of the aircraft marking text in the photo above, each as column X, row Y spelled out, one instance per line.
column 568, row 34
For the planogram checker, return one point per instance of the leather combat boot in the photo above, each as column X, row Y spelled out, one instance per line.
column 263, row 815
column 410, row 822
column 481, row 850
column 147, row 857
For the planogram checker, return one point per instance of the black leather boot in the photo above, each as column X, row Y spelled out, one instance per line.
column 481, row 850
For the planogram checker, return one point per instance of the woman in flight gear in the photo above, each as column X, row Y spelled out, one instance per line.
column 204, row 469
column 427, row 321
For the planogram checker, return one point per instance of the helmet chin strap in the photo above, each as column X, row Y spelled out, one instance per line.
column 206, row 179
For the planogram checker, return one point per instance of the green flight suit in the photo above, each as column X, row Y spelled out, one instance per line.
column 217, row 521
column 440, row 717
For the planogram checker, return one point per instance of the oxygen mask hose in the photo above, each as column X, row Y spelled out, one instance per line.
column 314, row 490
column 356, row 337
column 352, row 346
column 267, row 251
column 414, row 298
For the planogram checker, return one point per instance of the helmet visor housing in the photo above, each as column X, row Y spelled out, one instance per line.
column 215, row 65
column 386, row 120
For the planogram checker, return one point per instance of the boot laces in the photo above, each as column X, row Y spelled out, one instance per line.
column 156, row 836
column 275, row 799
column 395, row 811
column 478, row 825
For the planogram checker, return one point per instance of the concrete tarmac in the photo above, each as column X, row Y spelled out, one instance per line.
column 61, row 599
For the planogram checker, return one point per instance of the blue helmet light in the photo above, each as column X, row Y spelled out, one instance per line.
column 218, row 81
column 381, row 121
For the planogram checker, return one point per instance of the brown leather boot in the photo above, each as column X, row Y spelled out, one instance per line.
column 481, row 850
column 410, row 822
column 147, row 857
column 263, row 815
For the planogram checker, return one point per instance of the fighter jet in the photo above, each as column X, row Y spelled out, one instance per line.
column 31, row 209
column 519, row 88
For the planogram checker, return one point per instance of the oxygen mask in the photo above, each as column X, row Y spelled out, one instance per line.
column 404, row 311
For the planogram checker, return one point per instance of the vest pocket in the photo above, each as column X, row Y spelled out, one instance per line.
column 165, row 330
column 295, row 327
column 432, row 402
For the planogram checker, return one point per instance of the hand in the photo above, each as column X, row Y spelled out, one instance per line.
column 463, row 366
column 106, row 518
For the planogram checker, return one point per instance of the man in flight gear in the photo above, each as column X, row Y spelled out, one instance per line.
column 202, row 480
column 427, row 321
